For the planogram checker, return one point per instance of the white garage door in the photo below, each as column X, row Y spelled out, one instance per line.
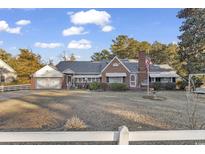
column 48, row 83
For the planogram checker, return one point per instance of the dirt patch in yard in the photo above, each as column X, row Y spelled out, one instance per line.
column 32, row 112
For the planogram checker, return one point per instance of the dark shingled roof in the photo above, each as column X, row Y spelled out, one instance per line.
column 89, row 67
column 82, row 67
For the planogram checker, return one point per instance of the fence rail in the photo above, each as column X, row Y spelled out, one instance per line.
column 15, row 87
column 123, row 136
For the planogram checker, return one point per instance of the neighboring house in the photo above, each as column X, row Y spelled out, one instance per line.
column 131, row 72
column 7, row 73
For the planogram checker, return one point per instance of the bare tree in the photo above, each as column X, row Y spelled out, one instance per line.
column 192, row 111
column 50, row 61
column 63, row 56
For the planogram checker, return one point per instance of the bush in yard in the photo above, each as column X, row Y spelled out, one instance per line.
column 170, row 86
column 156, row 86
column 197, row 81
column 104, row 86
column 181, row 84
column 94, row 86
column 164, row 86
column 118, row 86
column 74, row 123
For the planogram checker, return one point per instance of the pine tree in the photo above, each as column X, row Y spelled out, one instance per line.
column 192, row 40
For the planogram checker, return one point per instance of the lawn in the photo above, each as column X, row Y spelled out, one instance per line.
column 50, row 110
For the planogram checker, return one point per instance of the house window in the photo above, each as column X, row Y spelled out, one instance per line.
column 158, row 79
column 115, row 64
column 152, row 80
column 89, row 79
column 166, row 80
column 115, row 80
column 174, row 80
column 2, row 78
column 107, row 79
column 132, row 78
column 98, row 79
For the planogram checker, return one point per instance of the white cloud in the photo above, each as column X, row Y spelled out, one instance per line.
column 174, row 42
column 92, row 16
column 16, row 30
column 4, row 26
column 77, row 57
column 74, row 31
column 107, row 28
column 81, row 44
column 13, row 48
column 70, row 13
column 23, row 22
column 1, row 42
column 47, row 45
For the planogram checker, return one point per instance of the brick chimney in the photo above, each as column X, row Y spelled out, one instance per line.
column 142, row 75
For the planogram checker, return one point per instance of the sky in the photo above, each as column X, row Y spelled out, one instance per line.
column 49, row 32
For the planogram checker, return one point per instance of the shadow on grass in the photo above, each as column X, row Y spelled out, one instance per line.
column 96, row 112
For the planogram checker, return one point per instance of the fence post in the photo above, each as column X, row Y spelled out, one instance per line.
column 123, row 135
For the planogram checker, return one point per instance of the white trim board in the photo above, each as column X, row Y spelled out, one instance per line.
column 8, row 67
column 116, row 74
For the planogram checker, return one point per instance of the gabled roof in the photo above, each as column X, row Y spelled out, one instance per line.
column 82, row 67
column 6, row 66
column 48, row 71
column 117, row 60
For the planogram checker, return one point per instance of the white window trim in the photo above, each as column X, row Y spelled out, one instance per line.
column 121, row 79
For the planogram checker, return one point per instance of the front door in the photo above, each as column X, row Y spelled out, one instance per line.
column 68, row 81
column 133, row 80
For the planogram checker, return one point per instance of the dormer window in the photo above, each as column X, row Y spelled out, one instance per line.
column 115, row 64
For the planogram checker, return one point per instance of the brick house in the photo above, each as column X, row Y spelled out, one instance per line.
column 131, row 72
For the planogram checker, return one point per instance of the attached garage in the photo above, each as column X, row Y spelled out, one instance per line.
column 47, row 77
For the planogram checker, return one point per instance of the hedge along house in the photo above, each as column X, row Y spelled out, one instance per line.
column 47, row 77
column 131, row 72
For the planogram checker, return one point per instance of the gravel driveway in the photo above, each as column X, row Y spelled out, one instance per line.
column 49, row 110
column 14, row 94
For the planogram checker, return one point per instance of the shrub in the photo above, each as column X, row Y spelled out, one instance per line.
column 156, row 86
column 74, row 123
column 170, row 86
column 181, row 84
column 197, row 81
column 94, row 86
column 118, row 86
column 104, row 86
column 164, row 86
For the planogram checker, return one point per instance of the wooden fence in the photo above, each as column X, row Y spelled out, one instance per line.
column 122, row 136
column 15, row 87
